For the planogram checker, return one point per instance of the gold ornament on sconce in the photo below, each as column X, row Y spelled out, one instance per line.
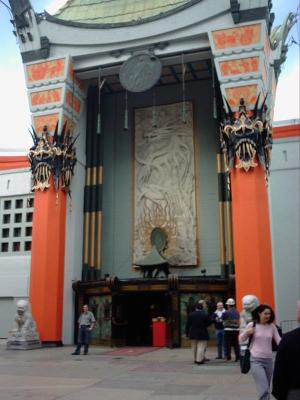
column 52, row 156
column 246, row 137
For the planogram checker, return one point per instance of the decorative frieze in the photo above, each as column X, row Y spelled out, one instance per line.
column 55, row 94
column 233, row 94
column 46, row 72
column 241, row 56
column 242, row 68
column 239, row 66
column 233, row 38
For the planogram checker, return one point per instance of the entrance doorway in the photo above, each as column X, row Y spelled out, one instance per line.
column 132, row 317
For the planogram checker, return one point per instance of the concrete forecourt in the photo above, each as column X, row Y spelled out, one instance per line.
column 126, row 373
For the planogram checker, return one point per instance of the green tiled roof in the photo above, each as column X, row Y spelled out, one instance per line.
column 116, row 11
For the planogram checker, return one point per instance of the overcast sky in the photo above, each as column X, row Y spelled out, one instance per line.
column 14, row 110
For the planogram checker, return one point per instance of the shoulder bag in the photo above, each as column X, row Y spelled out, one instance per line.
column 245, row 358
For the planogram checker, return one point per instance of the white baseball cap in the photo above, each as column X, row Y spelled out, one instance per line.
column 230, row 302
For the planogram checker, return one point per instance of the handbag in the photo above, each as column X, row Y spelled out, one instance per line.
column 245, row 358
column 245, row 362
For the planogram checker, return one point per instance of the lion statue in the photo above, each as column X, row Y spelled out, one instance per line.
column 250, row 302
column 24, row 335
column 25, row 326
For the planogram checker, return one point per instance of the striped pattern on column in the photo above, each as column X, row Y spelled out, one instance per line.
column 228, row 208
column 221, row 214
column 92, row 193
column 225, row 217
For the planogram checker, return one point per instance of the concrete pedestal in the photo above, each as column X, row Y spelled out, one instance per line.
column 23, row 344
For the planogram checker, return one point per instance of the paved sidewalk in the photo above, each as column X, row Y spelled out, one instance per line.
column 163, row 374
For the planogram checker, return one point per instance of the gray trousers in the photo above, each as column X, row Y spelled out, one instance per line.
column 261, row 369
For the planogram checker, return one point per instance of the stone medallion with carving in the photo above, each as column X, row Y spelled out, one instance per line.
column 140, row 72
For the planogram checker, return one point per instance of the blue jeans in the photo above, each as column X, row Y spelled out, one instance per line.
column 83, row 339
column 220, row 341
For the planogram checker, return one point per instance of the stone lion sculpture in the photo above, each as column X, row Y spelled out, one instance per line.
column 25, row 326
column 23, row 335
column 250, row 302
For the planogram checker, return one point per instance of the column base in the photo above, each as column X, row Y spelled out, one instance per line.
column 57, row 343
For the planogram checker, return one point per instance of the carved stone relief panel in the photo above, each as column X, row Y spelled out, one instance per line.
column 165, row 182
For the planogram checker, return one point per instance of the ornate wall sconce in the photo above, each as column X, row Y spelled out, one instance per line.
column 246, row 137
column 52, row 156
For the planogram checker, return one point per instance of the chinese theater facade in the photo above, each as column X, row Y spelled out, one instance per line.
column 148, row 197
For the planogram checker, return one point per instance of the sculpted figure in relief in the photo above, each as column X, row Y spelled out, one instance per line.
column 165, row 184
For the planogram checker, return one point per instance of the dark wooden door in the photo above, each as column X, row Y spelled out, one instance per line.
column 173, row 321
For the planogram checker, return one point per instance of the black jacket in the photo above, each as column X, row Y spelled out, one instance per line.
column 197, row 323
column 287, row 365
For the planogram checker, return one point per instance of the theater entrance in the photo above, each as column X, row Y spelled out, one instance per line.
column 132, row 317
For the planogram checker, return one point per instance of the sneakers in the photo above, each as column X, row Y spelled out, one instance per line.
column 75, row 353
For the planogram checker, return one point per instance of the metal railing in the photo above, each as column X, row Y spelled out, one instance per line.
column 288, row 325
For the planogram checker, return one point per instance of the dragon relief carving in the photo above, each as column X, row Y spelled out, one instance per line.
column 52, row 156
column 246, row 137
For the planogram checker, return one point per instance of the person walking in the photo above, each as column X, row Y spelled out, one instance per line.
column 196, row 330
column 86, row 323
column 286, row 377
column 263, row 331
column 217, row 317
column 231, row 322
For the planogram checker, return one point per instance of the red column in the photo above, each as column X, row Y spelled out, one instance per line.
column 47, row 263
column 251, row 232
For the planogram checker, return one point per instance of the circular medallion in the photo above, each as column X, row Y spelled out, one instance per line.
column 140, row 72
column 158, row 239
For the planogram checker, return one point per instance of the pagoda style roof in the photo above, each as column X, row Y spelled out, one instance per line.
column 117, row 12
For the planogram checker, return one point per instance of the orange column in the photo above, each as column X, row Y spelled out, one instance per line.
column 47, row 263
column 251, row 232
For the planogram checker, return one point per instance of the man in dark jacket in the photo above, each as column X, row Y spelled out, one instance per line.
column 196, row 330
column 286, row 377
